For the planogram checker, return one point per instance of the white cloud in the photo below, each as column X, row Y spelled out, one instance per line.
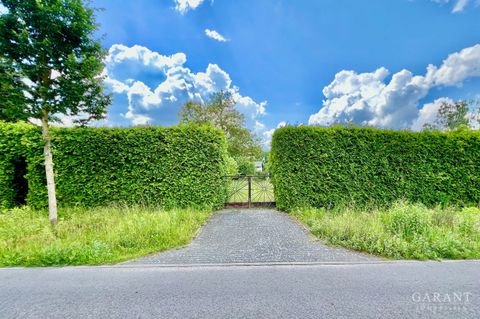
column 458, row 5
column 150, row 88
column 267, row 135
column 259, row 127
column 138, row 119
column 366, row 99
column 457, row 67
column 212, row 34
column 183, row 6
column 63, row 120
column 428, row 113
column 369, row 99
column 248, row 106
column 139, row 56
column 116, row 86
column 3, row 9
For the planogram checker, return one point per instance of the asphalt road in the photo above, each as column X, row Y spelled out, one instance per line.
column 349, row 290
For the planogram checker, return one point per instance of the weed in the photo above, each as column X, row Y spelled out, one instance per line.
column 92, row 236
column 403, row 231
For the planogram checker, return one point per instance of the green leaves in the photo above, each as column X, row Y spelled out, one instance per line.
column 454, row 116
column 326, row 167
column 220, row 112
column 49, row 44
column 169, row 167
column 11, row 91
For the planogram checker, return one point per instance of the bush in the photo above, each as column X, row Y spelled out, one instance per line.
column 168, row 167
column 408, row 221
column 232, row 166
column 328, row 167
column 245, row 166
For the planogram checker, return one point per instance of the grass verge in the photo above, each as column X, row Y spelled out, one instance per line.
column 404, row 231
column 92, row 236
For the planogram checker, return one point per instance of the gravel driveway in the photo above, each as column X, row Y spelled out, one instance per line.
column 253, row 236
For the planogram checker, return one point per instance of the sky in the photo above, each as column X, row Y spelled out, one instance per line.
column 382, row 63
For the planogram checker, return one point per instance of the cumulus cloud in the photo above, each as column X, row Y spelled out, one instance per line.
column 267, row 135
column 428, row 113
column 457, row 67
column 139, row 57
column 212, row 34
column 370, row 99
column 150, row 88
column 183, row 6
column 366, row 99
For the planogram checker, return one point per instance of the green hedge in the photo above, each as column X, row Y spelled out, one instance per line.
column 15, row 144
column 326, row 167
column 169, row 167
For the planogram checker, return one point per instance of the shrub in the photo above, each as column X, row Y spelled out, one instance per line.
column 468, row 221
column 408, row 221
column 168, row 167
column 245, row 166
column 232, row 166
column 327, row 167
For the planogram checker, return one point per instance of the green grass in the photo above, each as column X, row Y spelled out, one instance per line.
column 92, row 236
column 404, row 231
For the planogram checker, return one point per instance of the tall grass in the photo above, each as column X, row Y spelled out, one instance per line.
column 404, row 231
column 92, row 236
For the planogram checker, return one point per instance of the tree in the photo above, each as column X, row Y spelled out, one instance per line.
column 245, row 166
column 453, row 116
column 220, row 112
column 49, row 46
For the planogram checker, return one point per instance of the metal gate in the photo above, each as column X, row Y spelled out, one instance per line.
column 250, row 191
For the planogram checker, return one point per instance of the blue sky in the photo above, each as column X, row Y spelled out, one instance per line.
column 315, row 62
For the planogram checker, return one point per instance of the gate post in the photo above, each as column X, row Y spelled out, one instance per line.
column 249, row 191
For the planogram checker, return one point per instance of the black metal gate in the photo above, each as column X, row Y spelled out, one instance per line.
column 250, row 191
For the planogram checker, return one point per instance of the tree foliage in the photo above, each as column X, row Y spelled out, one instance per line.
column 220, row 112
column 454, row 116
column 11, row 91
column 245, row 166
column 49, row 45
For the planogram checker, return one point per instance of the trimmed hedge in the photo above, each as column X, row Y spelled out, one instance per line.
column 326, row 167
column 14, row 141
column 168, row 167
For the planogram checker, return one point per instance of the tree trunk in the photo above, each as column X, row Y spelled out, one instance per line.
column 47, row 151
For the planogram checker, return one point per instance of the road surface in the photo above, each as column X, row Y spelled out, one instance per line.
column 337, row 290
